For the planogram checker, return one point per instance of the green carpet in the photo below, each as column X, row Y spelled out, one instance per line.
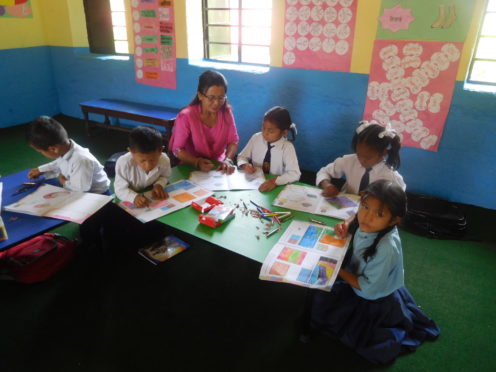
column 206, row 310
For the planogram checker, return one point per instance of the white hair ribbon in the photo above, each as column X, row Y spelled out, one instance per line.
column 387, row 132
column 364, row 124
column 293, row 126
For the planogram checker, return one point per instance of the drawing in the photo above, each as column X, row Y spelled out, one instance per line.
column 279, row 269
column 323, row 271
column 443, row 20
column 292, row 255
column 311, row 236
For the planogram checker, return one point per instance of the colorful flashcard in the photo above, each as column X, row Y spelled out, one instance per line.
column 57, row 202
column 309, row 199
column 410, row 87
column 181, row 194
column 155, row 42
column 318, row 34
column 307, row 255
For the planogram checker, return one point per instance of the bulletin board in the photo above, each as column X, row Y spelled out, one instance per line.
column 318, row 34
column 414, row 66
column 15, row 9
column 155, row 42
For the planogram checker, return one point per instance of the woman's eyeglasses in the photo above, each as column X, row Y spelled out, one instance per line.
column 214, row 98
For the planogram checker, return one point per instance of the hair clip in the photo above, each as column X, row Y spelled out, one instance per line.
column 364, row 124
column 293, row 127
column 387, row 132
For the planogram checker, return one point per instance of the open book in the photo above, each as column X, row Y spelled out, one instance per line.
column 163, row 249
column 217, row 181
column 307, row 255
column 181, row 194
column 57, row 202
column 310, row 199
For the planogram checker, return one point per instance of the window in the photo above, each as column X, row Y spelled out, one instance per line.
column 106, row 26
column 483, row 65
column 237, row 30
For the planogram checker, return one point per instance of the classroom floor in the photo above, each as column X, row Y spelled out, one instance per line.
column 206, row 309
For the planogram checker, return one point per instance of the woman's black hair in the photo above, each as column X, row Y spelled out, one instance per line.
column 44, row 132
column 370, row 137
column 391, row 195
column 206, row 80
column 145, row 140
column 281, row 118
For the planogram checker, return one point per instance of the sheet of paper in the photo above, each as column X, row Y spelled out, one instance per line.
column 217, row 181
column 181, row 194
column 310, row 200
column 307, row 255
column 57, row 202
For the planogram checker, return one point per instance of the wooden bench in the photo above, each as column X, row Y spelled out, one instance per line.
column 141, row 112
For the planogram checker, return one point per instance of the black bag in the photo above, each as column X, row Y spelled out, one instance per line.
column 109, row 166
column 434, row 218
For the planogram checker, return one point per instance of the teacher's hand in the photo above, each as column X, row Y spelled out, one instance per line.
column 205, row 165
column 227, row 167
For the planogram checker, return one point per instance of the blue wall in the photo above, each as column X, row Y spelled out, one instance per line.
column 27, row 89
column 326, row 107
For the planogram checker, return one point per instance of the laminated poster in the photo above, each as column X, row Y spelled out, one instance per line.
column 16, row 9
column 155, row 42
column 318, row 34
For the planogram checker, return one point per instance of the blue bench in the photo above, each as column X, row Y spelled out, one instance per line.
column 141, row 112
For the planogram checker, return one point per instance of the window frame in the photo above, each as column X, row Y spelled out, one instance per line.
column 474, row 58
column 239, row 44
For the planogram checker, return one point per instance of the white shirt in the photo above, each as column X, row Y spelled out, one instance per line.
column 82, row 170
column 283, row 160
column 350, row 168
column 130, row 177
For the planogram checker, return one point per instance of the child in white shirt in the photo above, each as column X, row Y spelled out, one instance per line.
column 272, row 151
column 377, row 156
column 76, row 168
column 145, row 164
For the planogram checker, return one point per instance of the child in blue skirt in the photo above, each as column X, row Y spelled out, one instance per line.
column 369, row 309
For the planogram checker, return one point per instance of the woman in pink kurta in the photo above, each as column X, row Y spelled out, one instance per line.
column 205, row 131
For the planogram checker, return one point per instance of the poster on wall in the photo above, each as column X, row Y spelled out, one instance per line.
column 15, row 9
column 154, row 42
column 318, row 34
column 414, row 66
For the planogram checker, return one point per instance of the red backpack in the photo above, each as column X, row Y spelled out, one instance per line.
column 36, row 259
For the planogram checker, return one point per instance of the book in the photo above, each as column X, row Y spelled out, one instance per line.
column 56, row 202
column 309, row 199
column 163, row 249
column 181, row 194
column 218, row 181
column 308, row 255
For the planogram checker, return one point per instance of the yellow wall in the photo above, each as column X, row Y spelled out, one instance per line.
column 62, row 23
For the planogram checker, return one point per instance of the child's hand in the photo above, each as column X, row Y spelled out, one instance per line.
column 248, row 168
column 205, row 165
column 34, row 173
column 158, row 192
column 268, row 185
column 140, row 201
column 341, row 230
column 330, row 190
column 226, row 167
column 62, row 179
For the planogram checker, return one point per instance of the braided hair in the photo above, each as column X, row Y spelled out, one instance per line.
column 392, row 196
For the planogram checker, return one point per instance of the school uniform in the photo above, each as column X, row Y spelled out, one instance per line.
column 81, row 169
column 350, row 168
column 131, row 178
column 117, row 227
column 381, row 319
column 283, row 159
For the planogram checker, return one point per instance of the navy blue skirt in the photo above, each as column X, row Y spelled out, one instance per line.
column 379, row 330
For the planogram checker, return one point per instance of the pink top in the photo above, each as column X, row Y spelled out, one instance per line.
column 191, row 135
